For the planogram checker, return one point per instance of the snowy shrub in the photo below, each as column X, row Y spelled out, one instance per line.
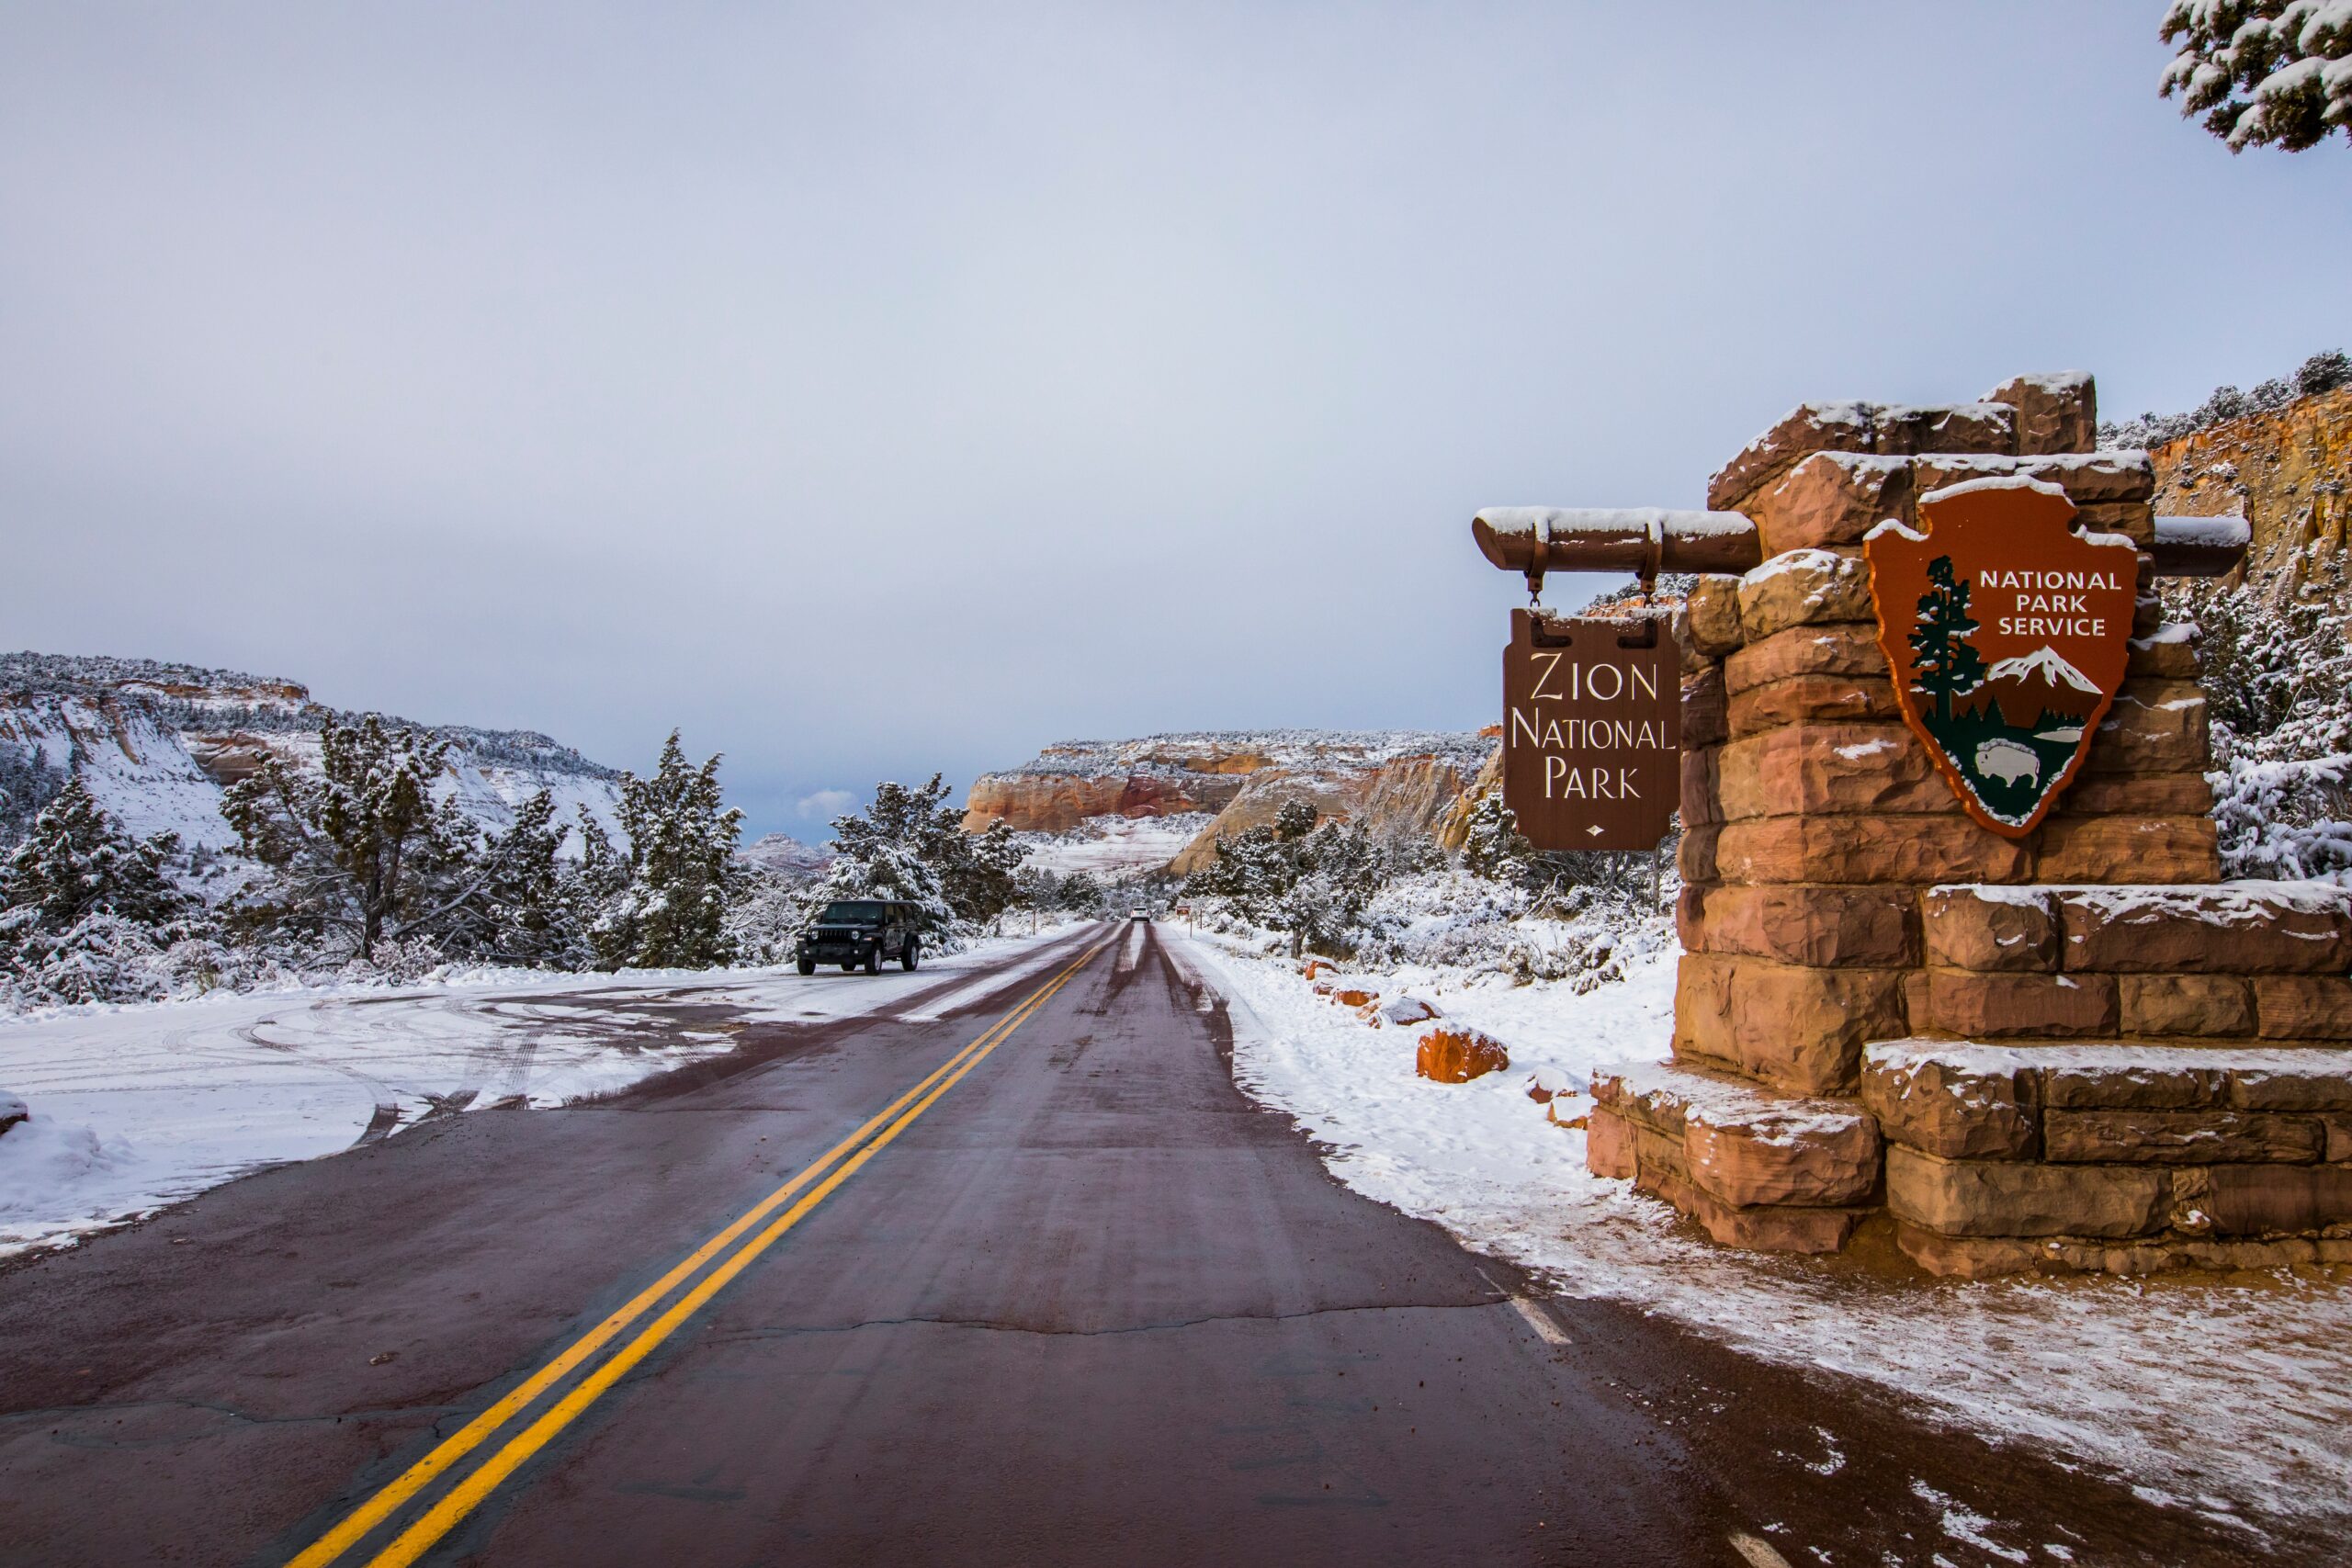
column 2278, row 675
column 665, row 905
column 910, row 844
column 2320, row 373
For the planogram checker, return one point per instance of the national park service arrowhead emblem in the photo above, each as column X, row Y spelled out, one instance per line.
column 2007, row 632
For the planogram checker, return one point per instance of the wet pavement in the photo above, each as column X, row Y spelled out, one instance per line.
column 1087, row 1303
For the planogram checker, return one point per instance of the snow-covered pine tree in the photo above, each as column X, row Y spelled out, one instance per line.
column 85, row 911
column 2263, row 72
column 519, row 911
column 359, row 847
column 1493, row 846
column 682, row 870
column 910, row 844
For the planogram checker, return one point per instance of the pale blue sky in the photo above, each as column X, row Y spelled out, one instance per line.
column 875, row 389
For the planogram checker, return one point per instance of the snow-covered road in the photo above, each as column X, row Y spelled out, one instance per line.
column 137, row 1107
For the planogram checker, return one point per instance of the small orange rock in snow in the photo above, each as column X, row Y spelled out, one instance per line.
column 1459, row 1055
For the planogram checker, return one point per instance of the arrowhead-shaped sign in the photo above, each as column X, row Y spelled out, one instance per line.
column 2007, row 632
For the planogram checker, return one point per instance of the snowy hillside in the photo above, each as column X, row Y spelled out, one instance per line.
column 156, row 743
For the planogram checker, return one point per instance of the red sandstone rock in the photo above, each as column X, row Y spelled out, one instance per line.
column 1609, row 1145
column 1456, row 1054
column 2179, row 1138
column 1805, row 650
column 2127, row 1079
column 1798, row 1029
column 1914, row 849
column 1408, row 1010
column 1804, row 588
column 2156, row 727
column 1712, row 616
column 1819, row 926
column 2241, row 927
column 1827, row 699
column 1699, row 801
column 1832, row 497
column 2304, row 1007
column 1994, row 1007
column 1702, row 709
column 2127, row 850
column 1351, row 996
column 1808, row 428
column 2186, row 1004
column 2054, row 412
column 1826, row 769
column 1959, row 1105
column 1990, row 929
column 2138, row 794
column 1982, row 1197
column 2269, row 1200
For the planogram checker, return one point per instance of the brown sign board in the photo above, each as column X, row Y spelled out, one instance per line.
column 1592, row 731
column 2007, row 632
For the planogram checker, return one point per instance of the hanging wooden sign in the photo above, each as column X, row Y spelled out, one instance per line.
column 1592, row 731
column 2007, row 632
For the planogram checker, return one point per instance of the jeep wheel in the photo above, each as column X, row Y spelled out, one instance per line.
column 805, row 966
column 910, row 955
column 873, row 959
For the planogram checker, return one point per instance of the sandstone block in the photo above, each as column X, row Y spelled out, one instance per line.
column 1914, row 849
column 1991, row 1198
column 1691, row 916
column 1990, row 929
column 1805, row 650
column 1818, row 926
column 2127, row 850
column 1829, row 699
column 2312, row 1081
column 2179, row 1138
column 1701, row 802
column 1770, row 1228
column 2168, row 653
column 1958, row 1105
column 1456, row 1054
column 1997, row 1007
column 1694, row 858
column 2138, row 794
column 1353, row 996
column 2339, row 1137
column 1825, row 768
column 2087, row 478
column 1801, row 1029
column 1786, row 1157
column 2186, row 1004
column 1703, row 1009
column 1405, row 1011
column 1712, row 612
column 2156, row 727
column 2120, row 1078
column 2136, row 520
column 1609, row 1145
column 1702, row 709
column 1803, row 587
column 2056, row 412
column 1831, row 497
column 2229, row 927
column 1658, row 1166
column 1967, row 1258
column 2304, row 1007
column 1950, row 427
column 2272, row 1199
column 1804, row 430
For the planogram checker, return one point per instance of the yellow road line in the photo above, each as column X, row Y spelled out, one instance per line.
column 385, row 1503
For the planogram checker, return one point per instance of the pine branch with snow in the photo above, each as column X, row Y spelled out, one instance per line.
column 2263, row 72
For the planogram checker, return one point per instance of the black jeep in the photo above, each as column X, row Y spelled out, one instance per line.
column 855, row 933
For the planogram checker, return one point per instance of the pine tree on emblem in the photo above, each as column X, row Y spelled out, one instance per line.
column 1945, row 664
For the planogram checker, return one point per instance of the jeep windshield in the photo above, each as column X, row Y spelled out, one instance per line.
column 858, row 913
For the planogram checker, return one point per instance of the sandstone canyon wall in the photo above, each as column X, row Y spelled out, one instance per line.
column 1395, row 782
column 2285, row 469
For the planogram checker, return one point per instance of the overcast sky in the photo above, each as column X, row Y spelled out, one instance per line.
column 872, row 390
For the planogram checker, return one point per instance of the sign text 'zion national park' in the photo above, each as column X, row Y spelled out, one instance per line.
column 1592, row 731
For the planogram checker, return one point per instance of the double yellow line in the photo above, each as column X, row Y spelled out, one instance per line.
column 842, row 1160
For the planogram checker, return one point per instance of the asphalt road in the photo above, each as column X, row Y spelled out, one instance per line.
column 1032, row 1284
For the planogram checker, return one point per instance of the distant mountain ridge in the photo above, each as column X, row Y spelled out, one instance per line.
column 157, row 742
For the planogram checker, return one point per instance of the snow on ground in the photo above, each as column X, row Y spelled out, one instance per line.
column 134, row 1108
column 2229, row 1395
column 1110, row 845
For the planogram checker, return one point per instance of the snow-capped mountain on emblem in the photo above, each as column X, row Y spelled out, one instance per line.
column 2007, row 631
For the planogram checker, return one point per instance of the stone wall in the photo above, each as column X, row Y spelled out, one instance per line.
column 1842, row 914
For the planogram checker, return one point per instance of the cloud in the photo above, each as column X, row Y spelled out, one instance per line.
column 826, row 804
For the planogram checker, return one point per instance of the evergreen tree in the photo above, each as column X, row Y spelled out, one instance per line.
column 682, row 873
column 910, row 844
column 1947, row 664
column 85, row 911
column 2263, row 72
column 359, row 846
column 520, row 912
column 1493, row 847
